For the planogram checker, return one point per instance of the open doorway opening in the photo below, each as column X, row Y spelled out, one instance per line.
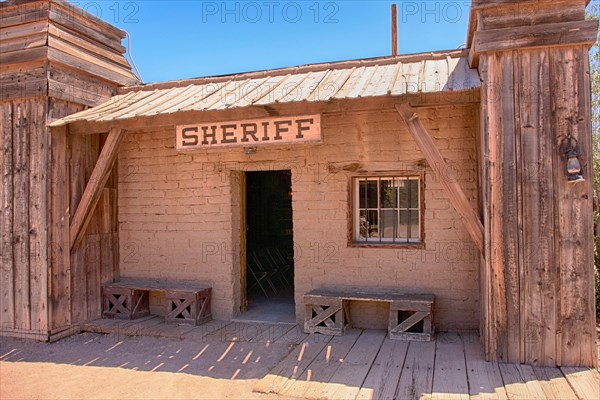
column 269, row 247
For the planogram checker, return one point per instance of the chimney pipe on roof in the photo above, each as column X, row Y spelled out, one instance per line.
column 394, row 30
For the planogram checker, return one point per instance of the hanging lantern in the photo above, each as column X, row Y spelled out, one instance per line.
column 573, row 166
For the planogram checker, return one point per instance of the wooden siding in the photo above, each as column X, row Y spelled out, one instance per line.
column 45, row 290
column 537, row 283
column 24, row 220
column 52, row 46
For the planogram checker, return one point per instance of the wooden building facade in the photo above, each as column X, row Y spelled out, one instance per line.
column 56, row 59
column 443, row 173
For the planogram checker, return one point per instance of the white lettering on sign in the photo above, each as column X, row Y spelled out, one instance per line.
column 255, row 132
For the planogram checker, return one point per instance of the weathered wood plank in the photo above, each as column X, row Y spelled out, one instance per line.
column 58, row 56
column 60, row 292
column 61, row 16
column 22, row 138
column 275, row 332
column 92, row 47
column 96, row 183
column 450, row 374
column 358, row 294
column 553, row 383
column 508, row 213
column 584, row 381
column 347, row 381
column 520, row 382
column 519, row 37
column 539, row 261
column 382, row 380
column 89, row 57
column 93, row 269
column 7, row 300
column 570, row 67
column 27, row 29
column 78, row 285
column 529, row 13
column 485, row 380
column 24, row 12
column 21, row 84
column 75, row 86
column 316, row 376
column 23, row 42
column 108, row 263
column 293, row 365
column 436, row 161
column 78, row 175
column 416, row 381
column 38, row 218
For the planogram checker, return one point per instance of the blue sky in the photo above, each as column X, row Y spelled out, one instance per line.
column 185, row 39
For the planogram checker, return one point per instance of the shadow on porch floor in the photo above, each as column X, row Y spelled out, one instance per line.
column 365, row 364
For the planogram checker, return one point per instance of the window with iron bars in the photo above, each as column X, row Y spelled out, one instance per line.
column 387, row 210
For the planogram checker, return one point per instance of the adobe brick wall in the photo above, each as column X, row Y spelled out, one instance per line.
column 180, row 214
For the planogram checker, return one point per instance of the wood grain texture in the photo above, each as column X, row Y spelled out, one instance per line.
column 314, row 379
column 7, row 307
column 553, row 383
column 450, row 374
column 520, row 382
column 293, row 365
column 485, row 380
column 573, row 229
column 585, row 382
column 554, row 34
column 38, row 216
column 416, row 381
column 93, row 190
column 349, row 377
column 382, row 380
column 21, row 245
column 537, row 282
column 59, row 228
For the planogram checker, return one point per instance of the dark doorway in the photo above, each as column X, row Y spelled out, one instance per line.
column 269, row 247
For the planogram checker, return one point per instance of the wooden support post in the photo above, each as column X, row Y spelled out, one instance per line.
column 394, row 30
column 94, row 187
column 436, row 161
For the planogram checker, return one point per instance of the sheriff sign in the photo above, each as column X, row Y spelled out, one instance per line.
column 279, row 130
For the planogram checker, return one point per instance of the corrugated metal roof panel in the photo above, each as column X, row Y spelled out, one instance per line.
column 345, row 80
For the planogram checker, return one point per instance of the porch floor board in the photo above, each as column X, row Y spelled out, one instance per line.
column 364, row 364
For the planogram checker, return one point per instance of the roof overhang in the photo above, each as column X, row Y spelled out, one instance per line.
column 438, row 77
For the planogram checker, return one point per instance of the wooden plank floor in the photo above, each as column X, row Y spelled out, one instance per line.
column 364, row 364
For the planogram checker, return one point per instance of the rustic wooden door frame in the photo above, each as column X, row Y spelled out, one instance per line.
column 243, row 238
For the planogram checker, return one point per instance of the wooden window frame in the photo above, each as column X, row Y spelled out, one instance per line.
column 352, row 189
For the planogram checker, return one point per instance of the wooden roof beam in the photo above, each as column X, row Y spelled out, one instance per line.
column 93, row 189
column 457, row 197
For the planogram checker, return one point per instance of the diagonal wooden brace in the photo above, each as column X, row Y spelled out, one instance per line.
column 93, row 190
column 410, row 322
column 436, row 161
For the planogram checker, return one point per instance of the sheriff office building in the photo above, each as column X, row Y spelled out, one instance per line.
column 443, row 191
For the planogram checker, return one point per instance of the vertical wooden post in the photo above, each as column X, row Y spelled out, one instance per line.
column 538, row 276
column 394, row 30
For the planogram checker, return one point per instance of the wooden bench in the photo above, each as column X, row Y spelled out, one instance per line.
column 410, row 316
column 129, row 299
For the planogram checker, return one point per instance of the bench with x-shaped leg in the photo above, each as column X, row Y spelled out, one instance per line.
column 129, row 299
column 188, row 306
column 410, row 316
